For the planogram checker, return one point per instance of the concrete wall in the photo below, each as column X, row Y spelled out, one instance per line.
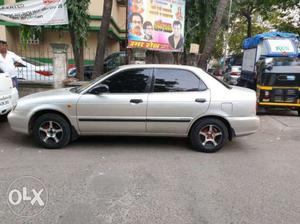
column 27, row 87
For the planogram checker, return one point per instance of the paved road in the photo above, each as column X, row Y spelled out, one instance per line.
column 254, row 179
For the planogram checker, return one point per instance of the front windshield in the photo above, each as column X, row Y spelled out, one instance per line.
column 87, row 85
column 286, row 61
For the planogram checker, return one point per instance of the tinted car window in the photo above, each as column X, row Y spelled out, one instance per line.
column 130, row 81
column 176, row 80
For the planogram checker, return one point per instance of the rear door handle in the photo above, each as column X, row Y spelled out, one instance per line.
column 200, row 100
column 136, row 101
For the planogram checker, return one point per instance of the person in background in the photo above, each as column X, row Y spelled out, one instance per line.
column 8, row 62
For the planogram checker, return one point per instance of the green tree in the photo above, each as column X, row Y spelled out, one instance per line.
column 211, row 37
column 78, row 28
column 249, row 9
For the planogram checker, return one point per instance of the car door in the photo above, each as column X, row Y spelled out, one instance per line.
column 122, row 109
column 177, row 97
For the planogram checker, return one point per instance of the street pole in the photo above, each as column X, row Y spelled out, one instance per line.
column 227, row 35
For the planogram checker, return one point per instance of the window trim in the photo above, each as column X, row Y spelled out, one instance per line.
column 148, row 86
column 153, row 80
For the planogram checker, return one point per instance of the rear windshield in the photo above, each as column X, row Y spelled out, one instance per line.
column 271, row 79
column 221, row 81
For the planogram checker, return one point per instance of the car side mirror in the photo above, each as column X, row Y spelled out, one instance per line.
column 99, row 89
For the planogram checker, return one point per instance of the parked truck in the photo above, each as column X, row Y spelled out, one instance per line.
column 271, row 66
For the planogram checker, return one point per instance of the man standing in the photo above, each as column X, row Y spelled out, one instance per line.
column 8, row 60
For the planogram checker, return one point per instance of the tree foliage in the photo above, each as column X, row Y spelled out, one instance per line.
column 249, row 9
column 199, row 13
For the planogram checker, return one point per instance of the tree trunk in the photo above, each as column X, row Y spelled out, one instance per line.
column 249, row 25
column 78, row 55
column 102, row 38
column 211, row 37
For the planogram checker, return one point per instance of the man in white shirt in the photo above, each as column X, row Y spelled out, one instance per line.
column 8, row 60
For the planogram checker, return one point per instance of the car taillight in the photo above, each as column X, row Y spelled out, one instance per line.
column 265, row 95
column 44, row 73
column 235, row 74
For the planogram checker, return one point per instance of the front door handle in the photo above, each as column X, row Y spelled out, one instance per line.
column 136, row 101
column 200, row 100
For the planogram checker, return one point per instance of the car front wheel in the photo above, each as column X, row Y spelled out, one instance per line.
column 51, row 131
column 208, row 135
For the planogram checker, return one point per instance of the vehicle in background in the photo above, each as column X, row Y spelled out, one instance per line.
column 111, row 62
column 88, row 72
column 233, row 74
column 211, row 71
column 271, row 66
column 8, row 94
column 34, row 70
column 115, row 60
column 149, row 100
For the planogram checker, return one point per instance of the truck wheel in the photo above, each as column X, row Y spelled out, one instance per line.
column 51, row 131
column 208, row 135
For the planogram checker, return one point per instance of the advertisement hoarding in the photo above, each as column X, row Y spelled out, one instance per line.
column 156, row 24
column 36, row 12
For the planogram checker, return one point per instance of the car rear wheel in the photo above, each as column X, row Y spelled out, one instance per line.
column 208, row 135
column 51, row 131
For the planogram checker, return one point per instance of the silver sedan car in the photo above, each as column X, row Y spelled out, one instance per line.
column 141, row 100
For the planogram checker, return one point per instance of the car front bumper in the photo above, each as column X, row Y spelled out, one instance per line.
column 18, row 121
column 244, row 125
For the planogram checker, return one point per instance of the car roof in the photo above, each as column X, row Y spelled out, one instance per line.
column 158, row 66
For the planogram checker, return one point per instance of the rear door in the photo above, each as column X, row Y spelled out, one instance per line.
column 178, row 96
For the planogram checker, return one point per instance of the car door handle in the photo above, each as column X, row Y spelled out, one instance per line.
column 136, row 101
column 200, row 100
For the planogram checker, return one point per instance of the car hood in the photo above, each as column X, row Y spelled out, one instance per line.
column 51, row 96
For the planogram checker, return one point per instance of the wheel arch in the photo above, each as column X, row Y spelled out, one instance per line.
column 38, row 113
column 230, row 130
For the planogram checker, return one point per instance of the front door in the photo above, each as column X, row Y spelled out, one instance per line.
column 122, row 109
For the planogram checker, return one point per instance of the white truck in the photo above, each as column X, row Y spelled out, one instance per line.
column 266, row 45
column 271, row 66
column 8, row 94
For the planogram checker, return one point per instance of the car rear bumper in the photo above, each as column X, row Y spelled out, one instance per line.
column 244, row 125
column 18, row 122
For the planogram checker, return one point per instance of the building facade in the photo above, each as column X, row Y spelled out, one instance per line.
column 40, row 47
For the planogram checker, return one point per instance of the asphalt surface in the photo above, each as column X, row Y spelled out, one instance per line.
column 254, row 179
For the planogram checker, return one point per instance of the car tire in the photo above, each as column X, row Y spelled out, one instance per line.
column 208, row 135
column 3, row 117
column 298, row 112
column 51, row 131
